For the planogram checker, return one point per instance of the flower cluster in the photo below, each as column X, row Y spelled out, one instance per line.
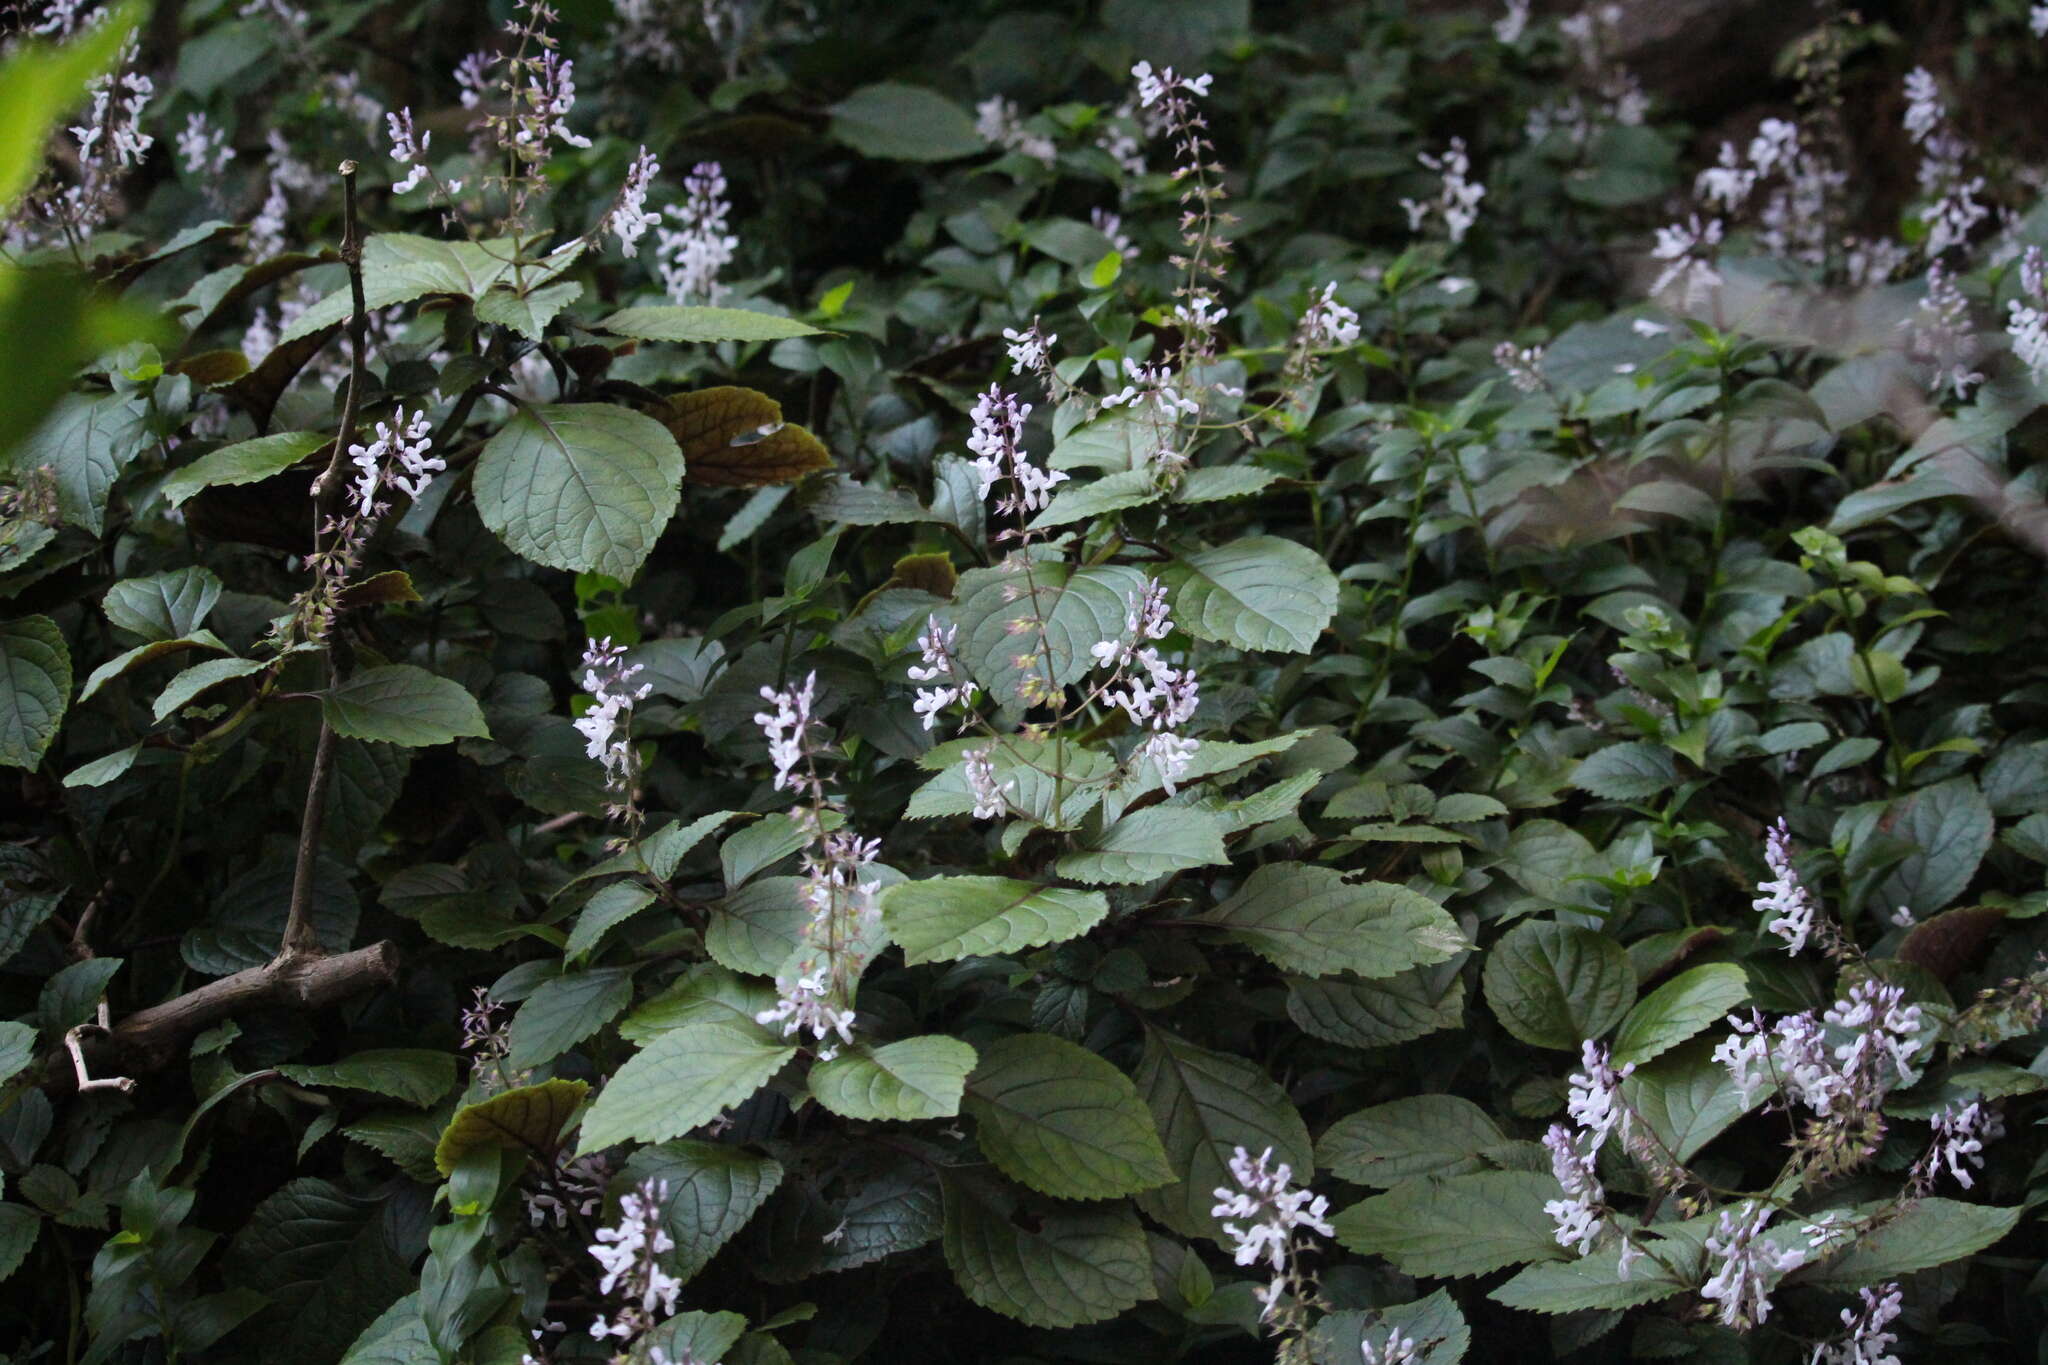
column 2028, row 323
column 997, row 120
column 689, row 255
column 935, row 646
column 1960, row 1132
column 1152, row 692
column 630, row 1254
column 787, row 729
column 1750, row 1267
column 1030, row 350
column 629, row 218
column 1329, row 324
column 1941, row 338
column 203, row 149
column 1522, row 364
column 1596, row 1107
column 1457, row 201
column 110, row 141
column 1271, row 1219
column 1867, row 1342
column 1394, row 1350
column 400, row 457
column 408, row 147
column 1952, row 210
column 607, row 726
column 998, row 445
column 1688, row 280
column 1793, row 217
column 1784, row 895
column 574, row 1185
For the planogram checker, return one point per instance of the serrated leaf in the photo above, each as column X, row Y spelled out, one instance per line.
column 713, row 1190
column 247, row 920
column 35, row 688
column 418, row 1076
column 734, row 437
column 17, row 1049
column 1438, row 1331
column 246, row 461
column 1397, row 1141
column 1456, row 1226
column 1259, row 592
column 1097, row 497
column 1367, row 1014
column 1062, row 1120
column 1155, row 842
column 894, row 122
column 1688, row 1098
column 1928, row 1233
column 607, row 908
column 1038, row 623
column 899, row 1210
column 696, row 1335
column 681, row 1079
column 324, row 1261
column 1557, row 985
column 1219, row 482
column 917, row 1078
column 402, row 704
column 1629, row 771
column 530, row 313
column 86, row 442
column 1588, row 1284
column 702, row 324
column 943, row 918
column 527, row 1118
column 18, row 1229
column 755, row 929
column 587, row 487
column 165, row 606
column 1057, row 1269
column 131, row 659
column 1309, row 920
column 187, row 687
column 707, row 993
column 1685, row 1005
column 72, row 994
column 562, row 1012
column 1949, row 824
column 1206, row 1105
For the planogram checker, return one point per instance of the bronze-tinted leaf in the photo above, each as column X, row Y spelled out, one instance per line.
column 529, row 1117
column 259, row 390
column 735, row 437
column 393, row 585
column 212, row 368
column 932, row 573
column 1947, row 943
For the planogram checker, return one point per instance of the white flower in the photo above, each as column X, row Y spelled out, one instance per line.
column 997, row 443
column 1749, row 1268
column 1269, row 1213
column 407, row 146
column 1523, row 365
column 1867, row 1343
column 1329, row 324
column 1577, row 1216
column 629, row 218
column 689, row 256
column 607, row 727
column 1727, row 183
column 2038, row 21
column 1784, row 895
column 1594, row 1096
column 990, row 803
column 202, row 148
column 785, row 728
column 1153, row 87
column 1745, row 1053
column 409, row 444
column 1960, row 1132
column 1687, row 246
column 1924, row 109
column 1029, row 349
column 1395, row 1350
column 1508, row 28
column 1454, row 284
column 997, row 120
column 630, row 1254
column 1458, row 199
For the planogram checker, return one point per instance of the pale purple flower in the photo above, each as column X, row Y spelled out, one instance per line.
column 1960, row 1132
column 1594, row 1095
column 1750, row 1266
column 1156, row 86
column 629, row 218
column 786, row 728
column 1270, row 1215
column 1784, row 895
column 607, row 727
column 990, row 801
column 1457, row 200
column 935, row 646
column 689, row 256
column 630, row 1254
column 1867, row 1343
column 408, row 146
column 202, row 148
column 997, row 443
column 1329, row 324
column 400, row 457
column 1577, row 1215
column 1523, row 365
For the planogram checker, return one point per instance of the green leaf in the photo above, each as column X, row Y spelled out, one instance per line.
column 18, row 1229
column 1397, row 1141
column 562, row 1012
column 681, row 1079
column 1059, row 1268
column 1456, row 1226
column 527, row 314
column 755, row 929
column 17, row 1049
column 1949, row 824
column 898, row 1210
column 1589, row 1284
column 249, row 461
column 134, row 658
column 1221, row 482
column 1062, row 1120
column 1154, row 842
column 1207, row 1105
column 247, row 919
column 713, row 1189
column 707, row 993
column 893, row 122
column 418, row 1076
column 39, row 83
column 759, row 846
column 944, row 918
column 1259, row 592
column 326, row 1263
column 1111, row 493
column 1434, row 1324
column 665, row 849
column 1688, row 1098
column 402, row 704
column 1543, row 856
column 1309, row 920
column 587, row 487
column 527, row 1118
column 607, row 908
column 917, row 1078
column 1395, row 1009
column 1927, row 1233
column 695, row 1335
column 399, row 267
column 1556, row 985
column 35, row 688
column 1036, row 624
column 1629, row 771
column 190, row 683
column 397, row 1337
column 1683, row 1006
column 72, row 994
column 86, row 442
column 699, row 324
column 165, row 606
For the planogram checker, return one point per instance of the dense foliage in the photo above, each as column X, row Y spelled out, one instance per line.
column 1162, row 680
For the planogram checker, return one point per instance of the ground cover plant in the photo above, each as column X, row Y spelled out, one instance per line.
column 775, row 682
